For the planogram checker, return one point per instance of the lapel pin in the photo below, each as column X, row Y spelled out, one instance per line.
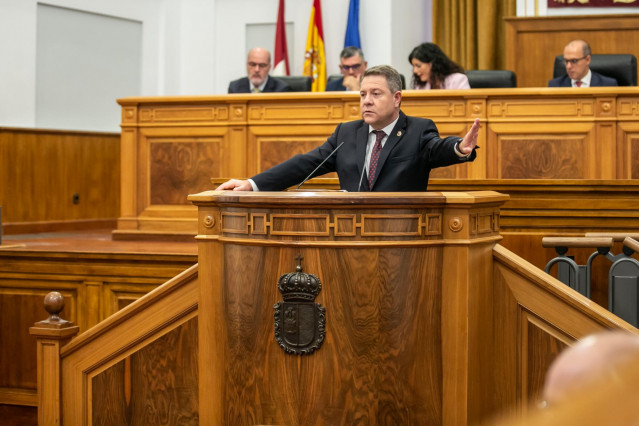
column 399, row 133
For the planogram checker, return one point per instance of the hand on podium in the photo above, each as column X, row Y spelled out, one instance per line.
column 235, row 185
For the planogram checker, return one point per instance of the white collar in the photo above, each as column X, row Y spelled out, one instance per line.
column 388, row 129
column 585, row 82
column 261, row 86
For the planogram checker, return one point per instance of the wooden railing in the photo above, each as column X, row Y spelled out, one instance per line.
column 149, row 347
column 622, row 269
column 536, row 316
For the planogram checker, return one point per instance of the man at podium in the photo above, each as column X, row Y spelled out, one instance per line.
column 385, row 151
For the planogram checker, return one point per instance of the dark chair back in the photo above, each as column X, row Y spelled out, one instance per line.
column 338, row 76
column 297, row 83
column 621, row 67
column 480, row 79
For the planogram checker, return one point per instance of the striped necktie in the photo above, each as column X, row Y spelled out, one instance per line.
column 372, row 164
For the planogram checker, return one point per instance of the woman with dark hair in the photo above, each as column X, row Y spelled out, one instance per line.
column 433, row 70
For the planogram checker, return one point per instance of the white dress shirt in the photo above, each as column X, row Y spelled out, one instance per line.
column 585, row 82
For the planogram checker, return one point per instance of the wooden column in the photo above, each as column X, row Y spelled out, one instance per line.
column 52, row 334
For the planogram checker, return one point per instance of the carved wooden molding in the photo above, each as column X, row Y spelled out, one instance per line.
column 301, row 112
column 328, row 225
column 483, row 223
column 184, row 114
column 628, row 107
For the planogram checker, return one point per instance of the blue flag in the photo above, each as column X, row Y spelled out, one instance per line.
column 352, row 26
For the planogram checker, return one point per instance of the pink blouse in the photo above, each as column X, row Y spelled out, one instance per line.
column 453, row 81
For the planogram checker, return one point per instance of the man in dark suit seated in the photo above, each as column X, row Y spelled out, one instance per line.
column 352, row 65
column 577, row 60
column 385, row 151
column 258, row 65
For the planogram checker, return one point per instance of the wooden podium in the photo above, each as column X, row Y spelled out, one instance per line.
column 404, row 322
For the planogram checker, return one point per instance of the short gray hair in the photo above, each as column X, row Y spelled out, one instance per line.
column 391, row 75
column 351, row 51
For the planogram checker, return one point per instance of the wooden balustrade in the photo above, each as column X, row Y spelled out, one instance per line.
column 139, row 366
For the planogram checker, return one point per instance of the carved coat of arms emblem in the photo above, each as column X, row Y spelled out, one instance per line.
column 300, row 324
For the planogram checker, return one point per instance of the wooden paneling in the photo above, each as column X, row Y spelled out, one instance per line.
column 402, row 341
column 95, row 284
column 21, row 307
column 535, row 317
column 269, row 146
column 539, row 208
column 551, row 158
column 158, row 384
column 180, row 167
column 543, row 343
column 16, row 415
column 525, row 134
column 533, row 42
column 41, row 170
column 160, row 316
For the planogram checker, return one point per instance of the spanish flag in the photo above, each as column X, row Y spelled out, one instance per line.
column 314, row 57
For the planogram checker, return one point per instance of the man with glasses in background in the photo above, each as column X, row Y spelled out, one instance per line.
column 578, row 72
column 258, row 65
column 352, row 65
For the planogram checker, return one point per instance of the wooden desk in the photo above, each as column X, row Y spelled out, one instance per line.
column 173, row 146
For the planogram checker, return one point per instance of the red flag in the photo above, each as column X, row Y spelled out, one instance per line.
column 280, row 63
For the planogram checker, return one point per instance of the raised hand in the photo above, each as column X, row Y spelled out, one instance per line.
column 470, row 140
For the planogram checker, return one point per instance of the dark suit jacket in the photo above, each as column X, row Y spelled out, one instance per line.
column 596, row 80
column 242, row 85
column 336, row 85
column 412, row 149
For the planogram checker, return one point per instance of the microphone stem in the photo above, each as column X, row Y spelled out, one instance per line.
column 320, row 165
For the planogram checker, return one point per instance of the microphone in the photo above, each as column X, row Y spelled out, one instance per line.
column 361, row 177
column 320, row 165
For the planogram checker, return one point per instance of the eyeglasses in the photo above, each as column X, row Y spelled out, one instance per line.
column 255, row 64
column 350, row 67
column 574, row 61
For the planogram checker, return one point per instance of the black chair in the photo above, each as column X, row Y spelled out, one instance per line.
column 338, row 76
column 297, row 83
column 481, row 79
column 621, row 67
